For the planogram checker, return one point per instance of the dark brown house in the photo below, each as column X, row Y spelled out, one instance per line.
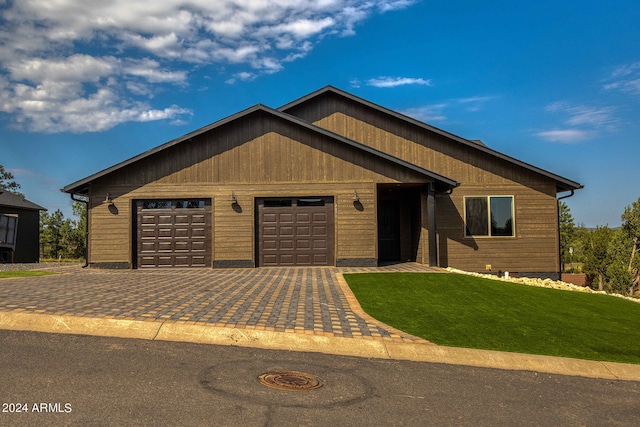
column 23, row 246
column 328, row 179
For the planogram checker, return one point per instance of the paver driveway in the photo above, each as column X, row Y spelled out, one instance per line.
column 299, row 300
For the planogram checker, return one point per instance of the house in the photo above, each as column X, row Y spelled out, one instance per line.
column 328, row 179
column 23, row 245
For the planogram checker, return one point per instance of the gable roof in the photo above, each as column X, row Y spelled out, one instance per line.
column 11, row 200
column 562, row 184
column 81, row 186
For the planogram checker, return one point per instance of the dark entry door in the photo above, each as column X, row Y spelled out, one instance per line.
column 295, row 231
column 388, row 230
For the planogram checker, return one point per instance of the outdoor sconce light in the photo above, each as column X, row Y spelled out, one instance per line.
column 356, row 202
column 108, row 200
column 234, row 203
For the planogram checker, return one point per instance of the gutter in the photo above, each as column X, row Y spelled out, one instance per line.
column 568, row 195
column 86, row 230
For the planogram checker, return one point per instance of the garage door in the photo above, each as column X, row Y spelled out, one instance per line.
column 173, row 233
column 295, row 231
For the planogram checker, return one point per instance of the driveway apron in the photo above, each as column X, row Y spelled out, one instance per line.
column 314, row 301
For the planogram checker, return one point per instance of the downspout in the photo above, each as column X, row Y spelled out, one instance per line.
column 559, row 248
column 86, row 230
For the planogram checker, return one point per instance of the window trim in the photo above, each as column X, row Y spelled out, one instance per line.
column 488, row 199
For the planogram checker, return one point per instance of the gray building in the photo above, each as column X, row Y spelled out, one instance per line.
column 27, row 240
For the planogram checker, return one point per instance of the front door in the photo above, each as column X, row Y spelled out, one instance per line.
column 388, row 230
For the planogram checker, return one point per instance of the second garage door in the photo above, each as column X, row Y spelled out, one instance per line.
column 295, row 231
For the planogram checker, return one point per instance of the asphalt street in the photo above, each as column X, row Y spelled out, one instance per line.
column 60, row 380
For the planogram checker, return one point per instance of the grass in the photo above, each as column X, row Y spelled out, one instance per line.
column 23, row 273
column 465, row 311
column 62, row 260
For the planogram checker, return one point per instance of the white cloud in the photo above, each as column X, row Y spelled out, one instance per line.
column 583, row 122
column 73, row 68
column 428, row 113
column 242, row 76
column 585, row 114
column 299, row 29
column 109, row 54
column 566, row 136
column 150, row 70
column 395, row 4
column 625, row 79
column 436, row 112
column 474, row 103
column 385, row 82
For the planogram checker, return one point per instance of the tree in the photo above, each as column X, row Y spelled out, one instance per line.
column 8, row 183
column 618, row 275
column 631, row 230
column 597, row 256
column 63, row 238
column 74, row 232
column 50, row 233
column 567, row 232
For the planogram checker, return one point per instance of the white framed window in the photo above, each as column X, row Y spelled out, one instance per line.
column 489, row 216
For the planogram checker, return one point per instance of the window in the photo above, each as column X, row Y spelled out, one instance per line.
column 190, row 204
column 490, row 216
column 282, row 203
column 310, row 202
column 174, row 204
column 156, row 204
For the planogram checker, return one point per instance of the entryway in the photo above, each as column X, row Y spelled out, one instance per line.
column 399, row 222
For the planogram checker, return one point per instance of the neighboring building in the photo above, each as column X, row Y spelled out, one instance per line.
column 26, row 247
column 329, row 179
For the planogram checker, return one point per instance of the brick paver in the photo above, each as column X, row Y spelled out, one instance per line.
column 296, row 300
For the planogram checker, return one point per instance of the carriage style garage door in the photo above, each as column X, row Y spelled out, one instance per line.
column 295, row 231
column 173, row 233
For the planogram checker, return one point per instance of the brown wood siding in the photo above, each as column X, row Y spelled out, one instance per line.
column 110, row 231
column 233, row 232
column 259, row 156
column 265, row 149
column 535, row 247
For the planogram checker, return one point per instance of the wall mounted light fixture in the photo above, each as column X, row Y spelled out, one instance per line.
column 108, row 200
column 233, row 198
column 355, row 197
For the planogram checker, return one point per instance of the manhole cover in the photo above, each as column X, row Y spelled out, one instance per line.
column 290, row 380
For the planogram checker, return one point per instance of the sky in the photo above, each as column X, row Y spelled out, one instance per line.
column 86, row 84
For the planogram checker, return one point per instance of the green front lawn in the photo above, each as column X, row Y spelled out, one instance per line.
column 466, row 311
column 23, row 273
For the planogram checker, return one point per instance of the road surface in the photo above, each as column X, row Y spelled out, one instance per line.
column 49, row 379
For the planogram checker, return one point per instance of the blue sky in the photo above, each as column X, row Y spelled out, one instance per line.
column 85, row 85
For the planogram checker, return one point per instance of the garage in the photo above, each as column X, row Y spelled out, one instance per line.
column 173, row 233
column 295, row 231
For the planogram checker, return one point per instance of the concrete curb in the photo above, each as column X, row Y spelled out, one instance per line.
column 360, row 347
column 119, row 328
